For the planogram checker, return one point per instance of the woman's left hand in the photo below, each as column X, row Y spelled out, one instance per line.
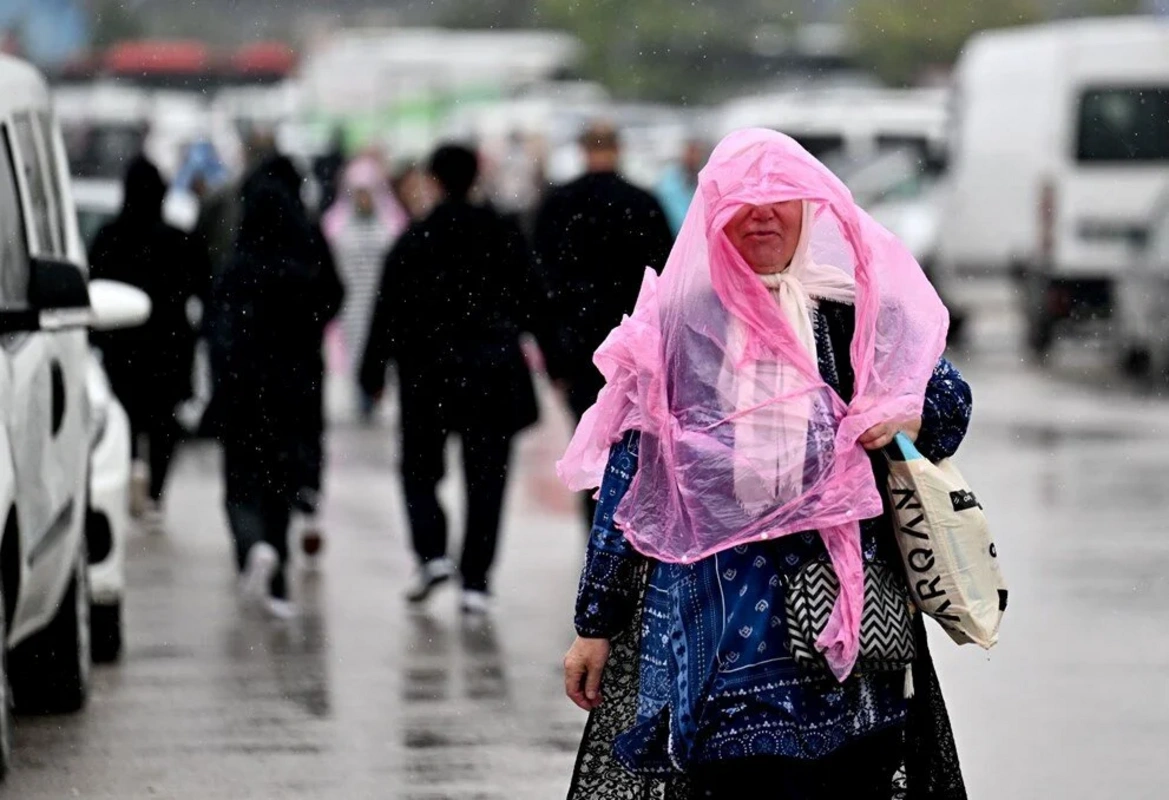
column 881, row 435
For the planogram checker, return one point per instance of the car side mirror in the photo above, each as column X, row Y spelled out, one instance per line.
column 58, row 293
column 117, row 305
column 60, row 298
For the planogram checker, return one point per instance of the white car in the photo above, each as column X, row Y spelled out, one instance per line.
column 108, row 524
column 46, row 419
column 97, row 201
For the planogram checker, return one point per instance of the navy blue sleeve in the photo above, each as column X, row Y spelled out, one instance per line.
column 609, row 583
column 946, row 415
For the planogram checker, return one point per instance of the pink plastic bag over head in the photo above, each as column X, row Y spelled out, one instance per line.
column 717, row 471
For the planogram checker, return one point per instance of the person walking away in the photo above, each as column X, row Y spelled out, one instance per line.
column 456, row 294
column 150, row 367
column 271, row 305
column 327, row 167
column 676, row 188
column 416, row 190
column 737, row 446
column 361, row 226
column 594, row 239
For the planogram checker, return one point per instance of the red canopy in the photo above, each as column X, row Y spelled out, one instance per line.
column 264, row 58
column 158, row 56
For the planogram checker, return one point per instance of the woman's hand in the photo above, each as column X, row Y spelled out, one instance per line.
column 583, row 666
column 881, row 435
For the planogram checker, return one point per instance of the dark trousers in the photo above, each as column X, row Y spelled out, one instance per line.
column 581, row 396
column 862, row 770
column 256, row 514
column 160, row 429
column 486, row 455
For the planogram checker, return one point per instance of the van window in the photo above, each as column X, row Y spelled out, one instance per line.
column 1124, row 124
column 13, row 246
column 34, row 176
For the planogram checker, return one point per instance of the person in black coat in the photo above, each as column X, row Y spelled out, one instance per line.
column 150, row 367
column 457, row 290
column 594, row 239
column 271, row 305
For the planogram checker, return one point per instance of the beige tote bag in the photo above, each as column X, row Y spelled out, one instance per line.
column 951, row 562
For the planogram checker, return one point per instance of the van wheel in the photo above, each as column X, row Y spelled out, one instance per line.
column 105, row 631
column 5, row 692
column 50, row 671
column 1040, row 335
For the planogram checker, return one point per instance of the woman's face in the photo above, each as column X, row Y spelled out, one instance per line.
column 766, row 236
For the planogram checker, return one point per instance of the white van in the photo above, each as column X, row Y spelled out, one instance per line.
column 46, row 423
column 1059, row 148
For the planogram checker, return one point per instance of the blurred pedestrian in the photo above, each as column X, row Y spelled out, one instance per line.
column 150, row 367
column 217, row 226
column 594, row 239
column 676, row 188
column 416, row 190
column 202, row 171
column 271, row 304
column 456, row 294
column 750, row 394
column 361, row 226
column 327, row 168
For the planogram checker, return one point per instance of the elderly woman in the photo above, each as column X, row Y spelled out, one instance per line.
column 737, row 446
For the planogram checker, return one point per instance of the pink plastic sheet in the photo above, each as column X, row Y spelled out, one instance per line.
column 675, row 371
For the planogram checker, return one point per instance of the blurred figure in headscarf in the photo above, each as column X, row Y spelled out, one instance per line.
column 271, row 305
column 361, row 227
column 150, row 367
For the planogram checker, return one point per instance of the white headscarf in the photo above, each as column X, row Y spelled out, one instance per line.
column 758, row 482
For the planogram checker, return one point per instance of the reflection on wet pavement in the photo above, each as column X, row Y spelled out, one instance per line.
column 364, row 697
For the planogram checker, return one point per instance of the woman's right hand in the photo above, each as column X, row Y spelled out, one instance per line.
column 583, row 666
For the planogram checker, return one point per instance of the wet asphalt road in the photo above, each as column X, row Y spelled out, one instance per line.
column 362, row 697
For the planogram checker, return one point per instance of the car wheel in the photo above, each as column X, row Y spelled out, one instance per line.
column 50, row 671
column 105, row 632
column 5, row 692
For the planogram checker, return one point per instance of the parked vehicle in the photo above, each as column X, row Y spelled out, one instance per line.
column 856, row 122
column 1143, row 301
column 1059, row 148
column 47, row 420
column 900, row 188
column 108, row 524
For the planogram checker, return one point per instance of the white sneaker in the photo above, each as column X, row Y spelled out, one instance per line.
column 280, row 609
column 476, row 602
column 262, row 563
column 153, row 517
column 429, row 576
column 139, row 488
